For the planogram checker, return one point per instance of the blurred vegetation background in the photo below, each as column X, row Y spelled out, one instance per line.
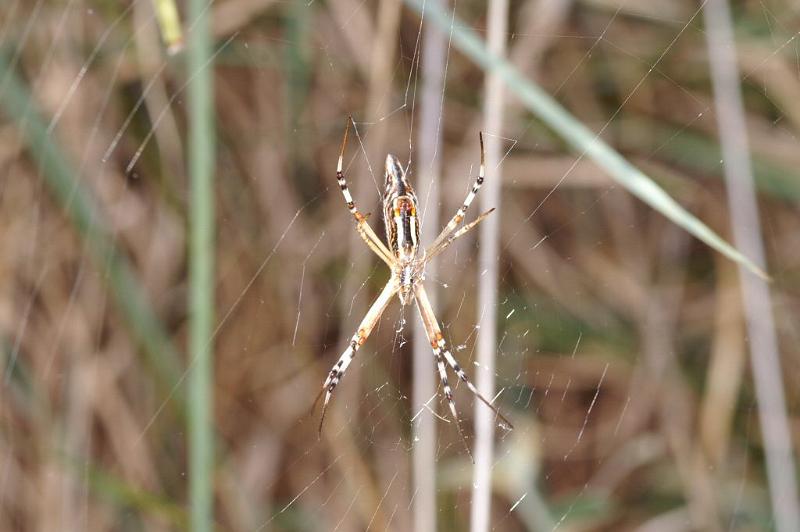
column 623, row 354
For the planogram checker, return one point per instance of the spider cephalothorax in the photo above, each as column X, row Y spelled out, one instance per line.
column 401, row 255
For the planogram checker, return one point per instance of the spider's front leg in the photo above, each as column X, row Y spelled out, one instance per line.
column 459, row 215
column 432, row 251
column 365, row 231
column 362, row 333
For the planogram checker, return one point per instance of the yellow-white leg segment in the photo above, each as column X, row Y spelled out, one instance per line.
column 366, row 232
column 440, row 349
column 462, row 211
column 362, row 333
column 432, row 252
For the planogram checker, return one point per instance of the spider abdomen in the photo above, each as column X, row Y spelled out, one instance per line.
column 402, row 230
column 400, row 212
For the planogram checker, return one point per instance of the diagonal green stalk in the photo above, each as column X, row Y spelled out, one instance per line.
column 201, row 268
column 581, row 138
column 79, row 205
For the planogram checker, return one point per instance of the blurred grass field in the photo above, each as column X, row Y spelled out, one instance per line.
column 623, row 353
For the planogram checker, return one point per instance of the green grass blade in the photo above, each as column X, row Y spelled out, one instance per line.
column 581, row 139
column 81, row 208
column 201, row 268
column 169, row 24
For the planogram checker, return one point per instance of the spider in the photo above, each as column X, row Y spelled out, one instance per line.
column 407, row 272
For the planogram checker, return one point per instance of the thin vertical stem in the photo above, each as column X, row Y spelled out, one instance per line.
column 743, row 208
column 488, row 273
column 429, row 142
column 201, row 269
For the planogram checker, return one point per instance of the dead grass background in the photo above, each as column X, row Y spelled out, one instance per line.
column 625, row 330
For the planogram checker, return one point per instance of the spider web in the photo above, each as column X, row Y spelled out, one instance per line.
column 621, row 345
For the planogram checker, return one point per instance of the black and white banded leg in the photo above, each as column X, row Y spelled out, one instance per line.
column 440, row 349
column 462, row 211
column 366, row 232
column 448, row 393
column 362, row 333
column 463, row 376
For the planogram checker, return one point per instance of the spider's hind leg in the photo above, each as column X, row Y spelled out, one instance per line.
column 448, row 393
column 440, row 350
column 362, row 333
column 463, row 376
column 337, row 372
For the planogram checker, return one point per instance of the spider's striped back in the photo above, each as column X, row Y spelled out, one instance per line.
column 402, row 225
column 400, row 212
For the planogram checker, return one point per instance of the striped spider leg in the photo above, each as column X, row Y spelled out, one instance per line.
column 358, row 339
column 442, row 353
column 407, row 273
column 432, row 251
column 459, row 215
column 362, row 226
